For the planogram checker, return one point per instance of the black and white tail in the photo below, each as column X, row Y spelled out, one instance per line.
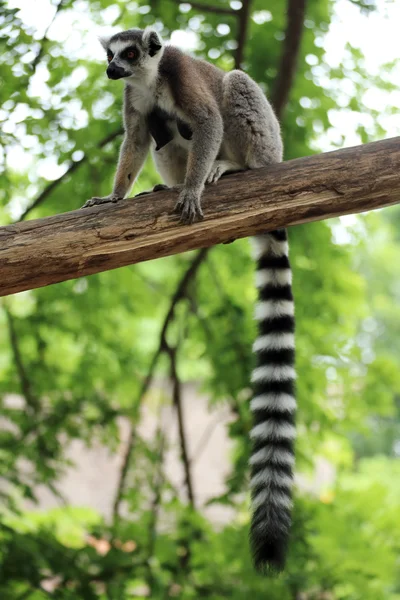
column 273, row 405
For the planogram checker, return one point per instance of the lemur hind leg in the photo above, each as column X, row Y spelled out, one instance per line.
column 220, row 167
column 170, row 161
column 251, row 133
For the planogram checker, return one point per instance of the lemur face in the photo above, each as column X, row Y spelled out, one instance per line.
column 131, row 54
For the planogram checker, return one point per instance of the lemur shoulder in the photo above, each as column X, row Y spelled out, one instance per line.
column 200, row 122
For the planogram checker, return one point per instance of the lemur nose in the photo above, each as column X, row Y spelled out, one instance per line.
column 114, row 72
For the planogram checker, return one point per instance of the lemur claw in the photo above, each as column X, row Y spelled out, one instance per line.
column 106, row 200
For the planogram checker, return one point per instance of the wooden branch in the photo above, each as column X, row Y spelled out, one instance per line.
column 83, row 242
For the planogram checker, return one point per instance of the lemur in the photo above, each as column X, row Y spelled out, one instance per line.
column 201, row 122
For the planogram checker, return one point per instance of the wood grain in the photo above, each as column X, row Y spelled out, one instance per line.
column 74, row 244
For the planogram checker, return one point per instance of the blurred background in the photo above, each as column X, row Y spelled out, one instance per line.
column 124, row 395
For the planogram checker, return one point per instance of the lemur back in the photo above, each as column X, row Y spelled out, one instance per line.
column 200, row 123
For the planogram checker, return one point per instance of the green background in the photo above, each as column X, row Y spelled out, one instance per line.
column 79, row 353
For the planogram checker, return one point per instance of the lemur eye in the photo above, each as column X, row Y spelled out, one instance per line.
column 109, row 57
column 131, row 54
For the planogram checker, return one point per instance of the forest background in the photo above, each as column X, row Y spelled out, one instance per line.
column 77, row 357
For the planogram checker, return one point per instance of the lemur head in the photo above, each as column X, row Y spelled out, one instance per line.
column 133, row 54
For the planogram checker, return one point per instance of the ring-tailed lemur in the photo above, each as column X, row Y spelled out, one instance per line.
column 201, row 122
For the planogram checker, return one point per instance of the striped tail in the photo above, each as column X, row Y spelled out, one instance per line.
column 273, row 405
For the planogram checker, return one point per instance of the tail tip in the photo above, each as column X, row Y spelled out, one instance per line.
column 269, row 545
column 269, row 558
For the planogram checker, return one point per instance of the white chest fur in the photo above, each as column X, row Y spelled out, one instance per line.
column 144, row 97
column 141, row 97
column 165, row 100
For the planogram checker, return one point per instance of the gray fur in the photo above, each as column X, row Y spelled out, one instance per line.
column 233, row 124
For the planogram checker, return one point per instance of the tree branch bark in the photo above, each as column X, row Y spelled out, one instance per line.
column 83, row 242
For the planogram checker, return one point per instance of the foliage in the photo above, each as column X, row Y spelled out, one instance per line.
column 74, row 357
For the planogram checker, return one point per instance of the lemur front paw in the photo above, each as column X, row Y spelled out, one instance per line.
column 189, row 207
column 106, row 199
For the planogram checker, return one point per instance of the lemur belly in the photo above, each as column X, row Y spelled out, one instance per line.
column 165, row 128
column 171, row 143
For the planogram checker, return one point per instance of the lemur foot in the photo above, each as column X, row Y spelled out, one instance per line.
column 189, row 207
column 219, row 168
column 105, row 200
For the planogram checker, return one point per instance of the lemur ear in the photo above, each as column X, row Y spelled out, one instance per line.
column 104, row 41
column 153, row 41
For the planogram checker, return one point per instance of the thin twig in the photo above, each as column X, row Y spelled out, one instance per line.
column 206, row 436
column 45, row 39
column 177, row 401
column 185, row 556
column 217, row 10
column 181, row 290
column 26, row 386
column 73, row 166
column 180, row 293
column 243, row 16
column 291, row 46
